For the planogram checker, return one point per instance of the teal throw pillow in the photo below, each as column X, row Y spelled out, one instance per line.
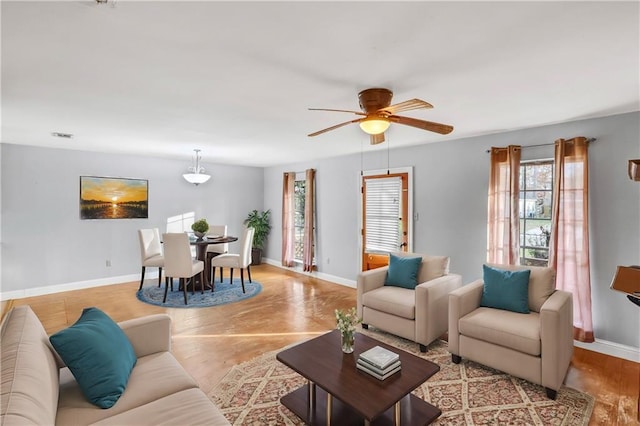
column 403, row 271
column 99, row 355
column 507, row 290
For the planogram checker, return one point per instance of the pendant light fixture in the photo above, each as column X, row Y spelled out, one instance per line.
column 197, row 175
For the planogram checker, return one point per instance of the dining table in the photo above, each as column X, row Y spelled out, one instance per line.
column 201, row 254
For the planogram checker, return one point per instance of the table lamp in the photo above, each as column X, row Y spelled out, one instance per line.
column 627, row 280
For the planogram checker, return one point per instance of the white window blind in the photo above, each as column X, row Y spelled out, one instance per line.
column 383, row 198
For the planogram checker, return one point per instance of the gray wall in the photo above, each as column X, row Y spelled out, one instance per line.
column 44, row 242
column 450, row 197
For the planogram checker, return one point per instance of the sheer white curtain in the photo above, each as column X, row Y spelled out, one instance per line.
column 569, row 243
column 503, row 221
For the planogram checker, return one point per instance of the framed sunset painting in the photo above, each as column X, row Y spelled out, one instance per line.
column 113, row 198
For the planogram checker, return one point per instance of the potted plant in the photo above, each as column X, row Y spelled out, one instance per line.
column 200, row 228
column 260, row 222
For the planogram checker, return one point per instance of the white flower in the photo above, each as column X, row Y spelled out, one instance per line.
column 346, row 321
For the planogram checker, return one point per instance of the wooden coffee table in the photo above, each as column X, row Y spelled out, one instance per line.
column 337, row 391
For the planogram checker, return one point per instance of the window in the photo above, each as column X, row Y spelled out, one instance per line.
column 298, row 218
column 386, row 219
column 536, row 193
column 383, row 201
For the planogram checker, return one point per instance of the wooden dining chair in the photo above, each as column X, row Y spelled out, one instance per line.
column 178, row 263
column 240, row 260
column 150, row 252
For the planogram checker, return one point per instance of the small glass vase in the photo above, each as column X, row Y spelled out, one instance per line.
column 347, row 339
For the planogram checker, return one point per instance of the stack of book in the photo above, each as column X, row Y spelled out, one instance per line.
column 379, row 362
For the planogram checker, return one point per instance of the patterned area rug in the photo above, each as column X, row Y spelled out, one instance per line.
column 224, row 292
column 467, row 393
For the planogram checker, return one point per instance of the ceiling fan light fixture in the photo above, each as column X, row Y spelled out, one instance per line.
column 377, row 115
column 197, row 175
column 374, row 125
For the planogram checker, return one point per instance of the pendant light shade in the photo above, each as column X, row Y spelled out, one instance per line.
column 197, row 175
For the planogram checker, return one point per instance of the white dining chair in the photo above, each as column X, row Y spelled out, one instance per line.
column 178, row 263
column 182, row 223
column 150, row 252
column 214, row 250
column 240, row 260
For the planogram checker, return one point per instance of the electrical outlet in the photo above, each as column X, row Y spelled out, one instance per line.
column 108, row 263
column 328, row 260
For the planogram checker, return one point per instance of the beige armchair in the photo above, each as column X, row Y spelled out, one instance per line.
column 536, row 346
column 419, row 315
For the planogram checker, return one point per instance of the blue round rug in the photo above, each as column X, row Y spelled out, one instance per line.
column 224, row 293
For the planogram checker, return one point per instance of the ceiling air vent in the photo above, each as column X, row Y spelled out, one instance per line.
column 62, row 135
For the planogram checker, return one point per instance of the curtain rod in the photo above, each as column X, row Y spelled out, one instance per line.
column 301, row 171
column 589, row 140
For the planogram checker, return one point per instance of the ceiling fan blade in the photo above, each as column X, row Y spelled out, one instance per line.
column 335, row 127
column 443, row 129
column 376, row 139
column 337, row 110
column 409, row 105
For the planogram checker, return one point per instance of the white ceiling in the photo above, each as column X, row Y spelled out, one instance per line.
column 235, row 79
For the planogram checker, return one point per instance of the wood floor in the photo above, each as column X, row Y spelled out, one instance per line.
column 291, row 307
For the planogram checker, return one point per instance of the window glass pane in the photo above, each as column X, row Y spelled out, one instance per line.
column 298, row 218
column 542, row 175
column 299, row 245
column 535, row 212
column 537, row 233
column 543, row 204
column 383, row 203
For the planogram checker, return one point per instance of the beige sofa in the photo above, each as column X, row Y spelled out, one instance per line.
column 419, row 315
column 536, row 347
column 38, row 390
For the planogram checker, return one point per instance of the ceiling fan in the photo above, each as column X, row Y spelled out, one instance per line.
column 378, row 114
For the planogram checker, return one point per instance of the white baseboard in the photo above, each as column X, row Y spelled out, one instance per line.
column 327, row 277
column 611, row 348
column 601, row 346
column 79, row 285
